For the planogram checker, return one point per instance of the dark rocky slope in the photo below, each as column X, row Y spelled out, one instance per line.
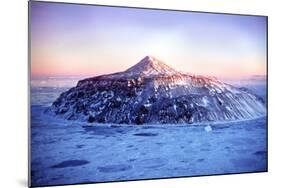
column 152, row 92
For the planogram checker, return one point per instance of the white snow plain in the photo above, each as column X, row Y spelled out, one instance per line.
column 65, row 152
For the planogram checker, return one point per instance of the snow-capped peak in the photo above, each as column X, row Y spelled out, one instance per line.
column 148, row 66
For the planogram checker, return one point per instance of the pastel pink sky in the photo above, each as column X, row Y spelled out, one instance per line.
column 76, row 40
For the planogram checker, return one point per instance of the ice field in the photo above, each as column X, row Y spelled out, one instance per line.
column 66, row 152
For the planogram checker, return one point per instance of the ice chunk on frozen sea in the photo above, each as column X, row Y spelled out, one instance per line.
column 208, row 128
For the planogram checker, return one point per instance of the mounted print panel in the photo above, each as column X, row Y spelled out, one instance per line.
column 120, row 93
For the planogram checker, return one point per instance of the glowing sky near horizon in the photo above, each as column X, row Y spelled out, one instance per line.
column 77, row 40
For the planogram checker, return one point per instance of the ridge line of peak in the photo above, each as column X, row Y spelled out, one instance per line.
column 151, row 65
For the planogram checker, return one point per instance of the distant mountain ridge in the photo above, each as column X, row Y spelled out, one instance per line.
column 153, row 92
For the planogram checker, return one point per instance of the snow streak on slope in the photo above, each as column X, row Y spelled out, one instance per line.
column 153, row 92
